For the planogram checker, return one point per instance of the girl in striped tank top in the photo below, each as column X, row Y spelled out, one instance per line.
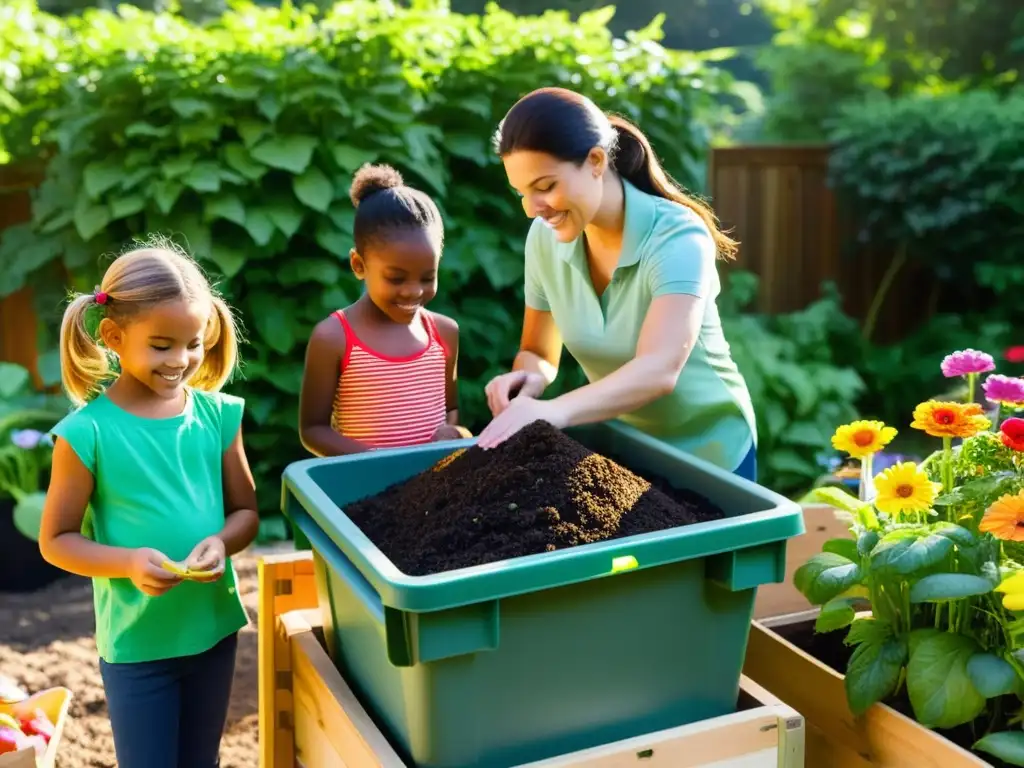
column 381, row 373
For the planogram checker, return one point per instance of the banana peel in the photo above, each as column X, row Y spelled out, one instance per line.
column 191, row 574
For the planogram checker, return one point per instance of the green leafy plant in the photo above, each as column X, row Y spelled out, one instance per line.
column 25, row 449
column 939, row 181
column 798, row 388
column 238, row 139
column 934, row 552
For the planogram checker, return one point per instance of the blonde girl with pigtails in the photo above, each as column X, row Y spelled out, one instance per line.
column 150, row 495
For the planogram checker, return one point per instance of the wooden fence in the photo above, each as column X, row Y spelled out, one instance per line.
column 778, row 204
column 17, row 313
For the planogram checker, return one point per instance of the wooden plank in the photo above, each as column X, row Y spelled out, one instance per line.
column 882, row 738
column 285, row 581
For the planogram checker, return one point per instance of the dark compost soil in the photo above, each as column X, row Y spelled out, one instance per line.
column 828, row 648
column 537, row 492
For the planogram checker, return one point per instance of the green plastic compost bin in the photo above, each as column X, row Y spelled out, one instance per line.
column 511, row 662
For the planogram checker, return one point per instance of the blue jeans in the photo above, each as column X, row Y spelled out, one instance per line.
column 748, row 467
column 171, row 713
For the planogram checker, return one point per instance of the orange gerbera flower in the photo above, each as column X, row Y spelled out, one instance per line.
column 1005, row 518
column 941, row 419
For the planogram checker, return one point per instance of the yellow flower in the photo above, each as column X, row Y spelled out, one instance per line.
column 1012, row 588
column 1004, row 519
column 862, row 438
column 904, row 487
column 940, row 419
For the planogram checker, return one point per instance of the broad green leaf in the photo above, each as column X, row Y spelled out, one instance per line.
column 905, row 551
column 145, row 129
column 251, row 131
column 189, row 108
column 287, row 217
column 845, row 547
column 289, row 153
column 957, row 533
column 230, row 260
column 13, row 379
column 203, row 177
column 28, row 514
column 197, row 133
column 269, row 106
column 259, row 225
column 313, row 189
column 91, row 220
column 273, row 322
column 165, row 194
column 940, row 689
column 991, row 675
column 1007, row 746
column 177, row 167
column 866, row 542
column 350, row 158
column 331, row 240
column 123, row 207
column 101, row 175
column 874, row 672
column 868, row 630
column 470, row 146
column 835, row 614
column 343, row 217
column 940, row 587
column 225, row 206
column 237, row 156
column 825, row 576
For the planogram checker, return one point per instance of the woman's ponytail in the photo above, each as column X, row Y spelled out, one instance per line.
column 634, row 160
column 83, row 363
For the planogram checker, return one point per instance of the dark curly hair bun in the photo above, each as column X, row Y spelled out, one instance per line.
column 371, row 179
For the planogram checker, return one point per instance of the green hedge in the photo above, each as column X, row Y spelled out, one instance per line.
column 943, row 178
column 239, row 138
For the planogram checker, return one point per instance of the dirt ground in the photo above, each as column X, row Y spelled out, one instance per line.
column 47, row 639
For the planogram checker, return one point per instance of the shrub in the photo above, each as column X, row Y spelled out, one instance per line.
column 942, row 180
column 238, row 139
column 798, row 387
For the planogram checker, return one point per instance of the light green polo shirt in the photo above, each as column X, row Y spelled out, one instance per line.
column 159, row 483
column 666, row 249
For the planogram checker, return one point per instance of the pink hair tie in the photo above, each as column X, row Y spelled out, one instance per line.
column 101, row 297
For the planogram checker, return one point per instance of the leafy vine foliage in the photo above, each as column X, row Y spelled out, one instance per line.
column 238, row 139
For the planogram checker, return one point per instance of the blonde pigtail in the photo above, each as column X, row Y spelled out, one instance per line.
column 221, row 354
column 83, row 363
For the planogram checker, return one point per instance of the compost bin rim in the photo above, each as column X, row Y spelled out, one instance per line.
column 538, row 572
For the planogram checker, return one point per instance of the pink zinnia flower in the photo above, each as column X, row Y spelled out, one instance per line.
column 965, row 362
column 1005, row 390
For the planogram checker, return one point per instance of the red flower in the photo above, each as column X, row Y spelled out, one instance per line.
column 1014, row 354
column 1012, row 433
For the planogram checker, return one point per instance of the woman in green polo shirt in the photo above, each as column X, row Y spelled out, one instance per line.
column 620, row 268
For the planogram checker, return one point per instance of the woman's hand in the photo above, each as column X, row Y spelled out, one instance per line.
column 520, row 412
column 502, row 389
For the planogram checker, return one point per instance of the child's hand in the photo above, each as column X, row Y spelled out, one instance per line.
column 209, row 555
column 449, row 432
column 147, row 573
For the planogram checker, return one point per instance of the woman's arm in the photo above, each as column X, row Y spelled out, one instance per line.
column 242, row 521
column 324, row 355
column 61, row 542
column 667, row 337
column 540, row 345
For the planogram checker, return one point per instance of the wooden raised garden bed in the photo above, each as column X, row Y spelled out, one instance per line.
column 310, row 718
column 881, row 738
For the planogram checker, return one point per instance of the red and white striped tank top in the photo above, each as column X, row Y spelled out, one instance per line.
column 390, row 402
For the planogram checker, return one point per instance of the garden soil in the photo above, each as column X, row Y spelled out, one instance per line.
column 47, row 638
column 539, row 491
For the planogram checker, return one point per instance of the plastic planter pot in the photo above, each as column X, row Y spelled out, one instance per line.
column 537, row 656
